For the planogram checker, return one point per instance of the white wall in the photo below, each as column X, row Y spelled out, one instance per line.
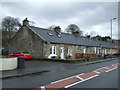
column 8, row 63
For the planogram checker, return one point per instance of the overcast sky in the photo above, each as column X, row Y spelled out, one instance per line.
column 89, row 16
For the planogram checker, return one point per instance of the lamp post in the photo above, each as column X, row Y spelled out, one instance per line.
column 111, row 25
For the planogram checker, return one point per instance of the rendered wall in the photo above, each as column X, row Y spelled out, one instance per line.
column 8, row 63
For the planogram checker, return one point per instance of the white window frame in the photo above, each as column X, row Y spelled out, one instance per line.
column 95, row 49
column 105, row 51
column 69, row 51
column 53, row 50
column 110, row 51
column 84, row 50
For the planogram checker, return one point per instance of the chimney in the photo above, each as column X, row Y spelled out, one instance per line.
column 76, row 33
column 57, row 29
column 25, row 22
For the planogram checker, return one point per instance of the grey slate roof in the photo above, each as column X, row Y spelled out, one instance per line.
column 68, row 38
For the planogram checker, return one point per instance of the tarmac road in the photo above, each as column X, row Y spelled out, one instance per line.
column 105, row 80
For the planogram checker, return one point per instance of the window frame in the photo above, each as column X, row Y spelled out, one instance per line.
column 17, row 53
column 53, row 50
column 69, row 51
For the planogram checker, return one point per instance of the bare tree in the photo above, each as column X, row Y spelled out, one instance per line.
column 10, row 26
column 31, row 23
column 92, row 33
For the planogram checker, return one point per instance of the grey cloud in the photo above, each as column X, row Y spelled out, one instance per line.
column 84, row 14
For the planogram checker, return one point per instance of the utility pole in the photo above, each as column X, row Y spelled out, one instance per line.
column 111, row 25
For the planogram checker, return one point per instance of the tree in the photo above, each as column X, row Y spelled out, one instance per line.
column 57, row 29
column 10, row 26
column 92, row 33
column 106, row 38
column 51, row 27
column 54, row 28
column 31, row 23
column 73, row 28
column 87, row 35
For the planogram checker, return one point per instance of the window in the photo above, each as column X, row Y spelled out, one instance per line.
column 105, row 51
column 84, row 50
column 111, row 51
column 53, row 50
column 50, row 50
column 79, row 48
column 50, row 34
column 95, row 50
column 25, row 52
column 59, row 35
column 17, row 53
column 99, row 51
column 69, row 51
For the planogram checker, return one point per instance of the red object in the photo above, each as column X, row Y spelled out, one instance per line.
column 27, row 55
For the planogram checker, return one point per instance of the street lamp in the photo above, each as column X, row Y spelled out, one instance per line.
column 111, row 25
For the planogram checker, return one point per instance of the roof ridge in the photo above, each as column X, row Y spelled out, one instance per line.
column 40, row 28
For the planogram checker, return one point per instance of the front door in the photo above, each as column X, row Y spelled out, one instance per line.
column 62, row 53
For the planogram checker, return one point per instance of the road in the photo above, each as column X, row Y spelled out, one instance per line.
column 100, row 80
column 105, row 80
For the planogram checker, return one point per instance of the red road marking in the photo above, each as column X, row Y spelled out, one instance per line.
column 72, row 80
column 63, row 83
column 111, row 67
column 102, row 70
column 87, row 75
column 116, row 65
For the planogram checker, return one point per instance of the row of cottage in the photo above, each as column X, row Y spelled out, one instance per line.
column 44, row 44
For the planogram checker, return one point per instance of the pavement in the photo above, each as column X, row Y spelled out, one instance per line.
column 37, row 67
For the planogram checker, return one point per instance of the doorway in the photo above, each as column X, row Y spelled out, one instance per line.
column 62, row 53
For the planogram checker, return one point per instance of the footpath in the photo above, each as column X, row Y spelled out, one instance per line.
column 37, row 67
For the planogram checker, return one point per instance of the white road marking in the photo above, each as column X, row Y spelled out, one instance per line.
column 96, row 72
column 99, row 68
column 73, row 84
column 66, row 78
column 80, row 81
column 107, row 67
column 111, row 69
column 80, row 78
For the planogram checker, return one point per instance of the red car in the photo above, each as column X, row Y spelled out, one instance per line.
column 27, row 55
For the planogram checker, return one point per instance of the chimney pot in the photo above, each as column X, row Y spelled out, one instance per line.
column 57, row 29
column 25, row 22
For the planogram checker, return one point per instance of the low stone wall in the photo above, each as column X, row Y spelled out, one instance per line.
column 8, row 63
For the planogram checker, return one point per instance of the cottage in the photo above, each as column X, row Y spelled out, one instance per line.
column 44, row 44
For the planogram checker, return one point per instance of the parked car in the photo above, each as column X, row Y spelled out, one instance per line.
column 27, row 55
